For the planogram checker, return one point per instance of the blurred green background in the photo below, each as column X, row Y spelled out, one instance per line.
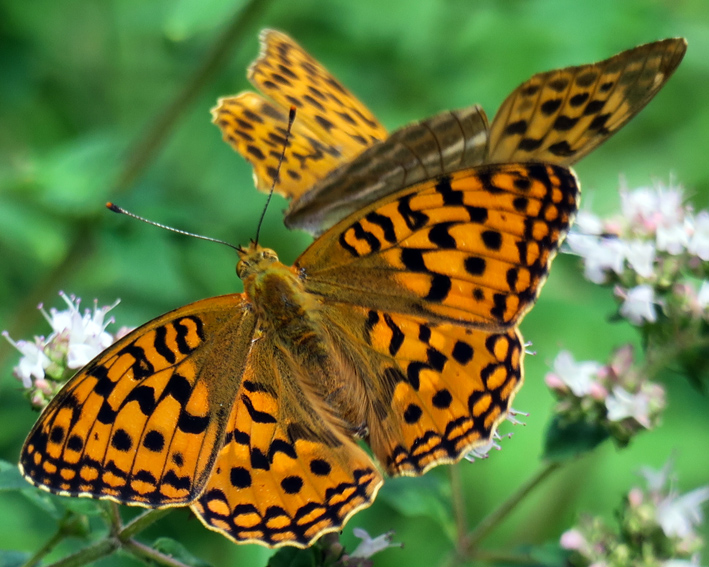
column 83, row 84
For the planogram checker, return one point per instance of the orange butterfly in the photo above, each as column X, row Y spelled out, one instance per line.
column 340, row 158
column 397, row 326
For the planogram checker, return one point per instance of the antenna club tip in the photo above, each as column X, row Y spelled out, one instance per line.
column 111, row 207
column 291, row 113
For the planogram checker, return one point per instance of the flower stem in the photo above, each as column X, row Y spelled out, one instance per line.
column 45, row 549
column 150, row 555
column 489, row 523
column 89, row 554
column 141, row 522
column 458, row 503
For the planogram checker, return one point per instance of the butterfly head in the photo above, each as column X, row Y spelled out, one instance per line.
column 254, row 259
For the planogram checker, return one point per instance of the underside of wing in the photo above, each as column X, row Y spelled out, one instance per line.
column 472, row 248
column 256, row 128
column 560, row 116
column 142, row 423
column 331, row 126
column 288, row 472
column 447, row 142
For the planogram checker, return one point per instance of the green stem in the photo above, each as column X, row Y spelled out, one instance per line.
column 89, row 554
column 504, row 557
column 141, row 522
column 151, row 556
column 45, row 549
column 458, row 502
column 473, row 539
column 140, row 155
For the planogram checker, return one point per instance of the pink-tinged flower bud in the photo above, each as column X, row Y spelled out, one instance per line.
column 573, row 539
column 554, row 382
column 635, row 497
column 597, row 392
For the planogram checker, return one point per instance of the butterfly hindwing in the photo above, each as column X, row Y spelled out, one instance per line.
column 287, row 473
column 434, row 391
column 472, row 248
column 444, row 143
column 560, row 116
column 142, row 422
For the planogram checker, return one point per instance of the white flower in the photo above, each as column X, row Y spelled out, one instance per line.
column 658, row 210
column 673, row 238
column 588, row 223
column 33, row 362
column 641, row 257
column 657, row 479
column 640, row 206
column 639, row 304
column 600, row 255
column 579, row 377
column 369, row 545
column 83, row 337
column 703, row 295
column 677, row 515
column 699, row 245
column 694, row 562
column 621, row 404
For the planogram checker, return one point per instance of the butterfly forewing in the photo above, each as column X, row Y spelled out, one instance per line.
column 256, row 129
column 332, row 126
column 444, row 143
column 560, row 116
column 142, row 423
column 287, row 473
column 471, row 248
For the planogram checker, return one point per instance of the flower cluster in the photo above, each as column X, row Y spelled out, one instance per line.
column 655, row 253
column 617, row 396
column 47, row 363
column 657, row 528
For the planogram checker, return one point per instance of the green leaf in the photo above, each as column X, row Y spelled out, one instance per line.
column 10, row 477
column 427, row 496
column 48, row 503
column 293, row 557
column 175, row 549
column 13, row 558
column 550, row 555
column 566, row 440
column 190, row 17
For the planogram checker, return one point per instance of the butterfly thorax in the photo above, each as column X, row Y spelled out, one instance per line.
column 278, row 298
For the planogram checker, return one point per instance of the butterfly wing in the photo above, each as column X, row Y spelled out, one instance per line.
column 447, row 142
column 427, row 287
column 331, row 129
column 471, row 248
column 435, row 391
column 560, row 116
column 142, row 423
column 288, row 472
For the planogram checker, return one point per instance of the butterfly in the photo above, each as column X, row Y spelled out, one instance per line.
column 341, row 158
column 397, row 328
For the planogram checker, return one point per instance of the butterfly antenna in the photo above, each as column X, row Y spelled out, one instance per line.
column 122, row 211
column 276, row 177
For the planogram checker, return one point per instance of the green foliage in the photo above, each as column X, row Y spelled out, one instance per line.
column 83, row 81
